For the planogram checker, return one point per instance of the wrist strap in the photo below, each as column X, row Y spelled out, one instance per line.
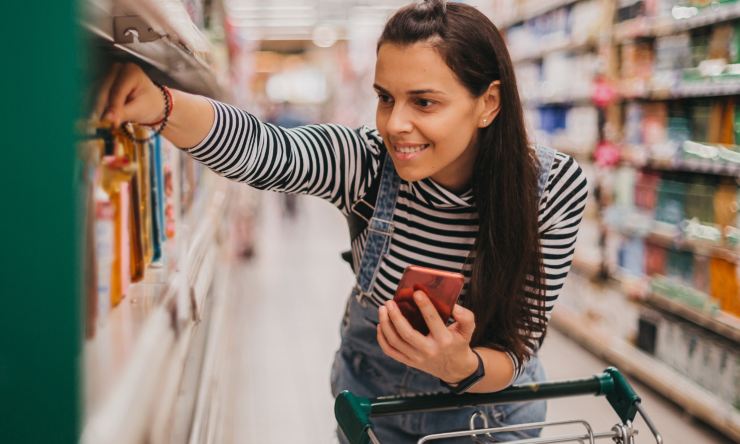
column 465, row 384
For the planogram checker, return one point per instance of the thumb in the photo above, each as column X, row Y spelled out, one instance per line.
column 465, row 320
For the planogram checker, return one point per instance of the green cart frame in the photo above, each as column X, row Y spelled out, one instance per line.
column 353, row 413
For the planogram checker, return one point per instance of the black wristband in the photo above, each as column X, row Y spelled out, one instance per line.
column 465, row 384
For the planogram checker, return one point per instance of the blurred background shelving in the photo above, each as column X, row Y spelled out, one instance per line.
column 658, row 143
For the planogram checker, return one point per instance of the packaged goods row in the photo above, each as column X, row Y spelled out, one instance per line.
column 680, row 226
column 705, row 283
column 136, row 192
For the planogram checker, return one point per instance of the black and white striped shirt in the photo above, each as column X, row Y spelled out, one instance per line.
column 433, row 227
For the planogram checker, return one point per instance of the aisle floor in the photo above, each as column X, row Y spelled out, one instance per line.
column 283, row 320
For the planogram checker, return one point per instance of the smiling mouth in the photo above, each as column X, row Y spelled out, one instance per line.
column 412, row 149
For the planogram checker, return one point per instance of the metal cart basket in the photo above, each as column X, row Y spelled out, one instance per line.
column 353, row 413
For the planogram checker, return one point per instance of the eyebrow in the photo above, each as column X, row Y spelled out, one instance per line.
column 414, row 92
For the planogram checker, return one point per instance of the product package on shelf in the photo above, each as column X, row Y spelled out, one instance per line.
column 157, row 199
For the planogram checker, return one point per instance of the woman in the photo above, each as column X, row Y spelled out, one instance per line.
column 448, row 180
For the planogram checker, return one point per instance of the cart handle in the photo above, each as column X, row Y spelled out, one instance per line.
column 353, row 412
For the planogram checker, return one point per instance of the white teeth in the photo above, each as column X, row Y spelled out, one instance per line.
column 411, row 149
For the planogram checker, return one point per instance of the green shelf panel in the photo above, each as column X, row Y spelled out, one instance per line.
column 40, row 277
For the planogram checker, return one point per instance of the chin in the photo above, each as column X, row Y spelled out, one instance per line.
column 410, row 175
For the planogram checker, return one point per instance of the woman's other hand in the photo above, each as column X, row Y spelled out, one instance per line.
column 445, row 352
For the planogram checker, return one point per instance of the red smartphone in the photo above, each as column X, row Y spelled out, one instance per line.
column 442, row 287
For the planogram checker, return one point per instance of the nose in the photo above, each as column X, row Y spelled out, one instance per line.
column 399, row 120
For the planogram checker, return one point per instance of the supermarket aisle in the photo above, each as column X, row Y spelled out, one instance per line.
column 284, row 319
column 290, row 300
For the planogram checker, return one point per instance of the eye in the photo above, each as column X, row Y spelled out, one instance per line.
column 424, row 103
column 385, row 99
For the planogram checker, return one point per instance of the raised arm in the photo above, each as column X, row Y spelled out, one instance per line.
column 332, row 162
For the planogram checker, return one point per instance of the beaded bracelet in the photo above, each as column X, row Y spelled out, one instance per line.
column 168, row 106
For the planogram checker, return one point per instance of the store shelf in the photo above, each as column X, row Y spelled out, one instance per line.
column 718, row 87
column 532, row 9
column 694, row 399
column 177, row 50
column 660, row 26
column 554, row 46
column 723, row 324
column 140, row 350
column 685, row 165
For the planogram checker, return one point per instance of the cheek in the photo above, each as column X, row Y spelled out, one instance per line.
column 381, row 118
column 451, row 133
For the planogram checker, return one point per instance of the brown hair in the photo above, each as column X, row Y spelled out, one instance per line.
column 507, row 257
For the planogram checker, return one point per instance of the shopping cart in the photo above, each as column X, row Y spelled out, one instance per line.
column 353, row 412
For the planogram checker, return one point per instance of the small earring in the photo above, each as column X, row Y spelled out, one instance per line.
column 484, row 121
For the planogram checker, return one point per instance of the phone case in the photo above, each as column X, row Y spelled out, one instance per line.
column 442, row 287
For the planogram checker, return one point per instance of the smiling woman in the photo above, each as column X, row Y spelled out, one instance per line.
column 448, row 180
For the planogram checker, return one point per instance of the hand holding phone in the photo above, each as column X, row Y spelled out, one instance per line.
column 442, row 287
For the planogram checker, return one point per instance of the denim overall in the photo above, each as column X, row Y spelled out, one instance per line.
column 361, row 366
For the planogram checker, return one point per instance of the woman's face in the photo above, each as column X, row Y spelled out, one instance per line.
column 427, row 118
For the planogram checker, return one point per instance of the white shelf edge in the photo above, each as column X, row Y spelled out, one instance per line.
column 170, row 390
column 658, row 375
column 116, row 420
column 122, row 412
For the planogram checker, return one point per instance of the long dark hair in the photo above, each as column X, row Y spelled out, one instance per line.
column 507, row 287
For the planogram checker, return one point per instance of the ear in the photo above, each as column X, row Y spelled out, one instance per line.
column 490, row 104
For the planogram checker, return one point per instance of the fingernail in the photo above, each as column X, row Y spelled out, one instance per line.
column 418, row 297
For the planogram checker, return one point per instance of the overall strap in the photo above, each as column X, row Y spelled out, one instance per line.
column 380, row 229
column 546, row 157
column 362, row 210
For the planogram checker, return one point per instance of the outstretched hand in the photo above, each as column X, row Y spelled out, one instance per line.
column 128, row 94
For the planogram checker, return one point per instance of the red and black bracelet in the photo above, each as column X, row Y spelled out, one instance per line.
column 162, row 123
